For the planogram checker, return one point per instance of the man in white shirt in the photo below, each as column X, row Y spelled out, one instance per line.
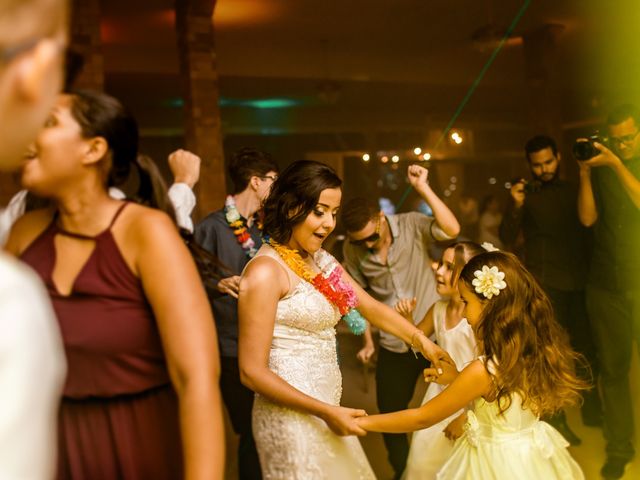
column 32, row 366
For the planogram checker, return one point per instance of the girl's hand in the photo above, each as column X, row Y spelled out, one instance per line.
column 455, row 429
column 342, row 420
column 447, row 374
column 406, row 306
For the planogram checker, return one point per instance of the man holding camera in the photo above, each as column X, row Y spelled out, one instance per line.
column 555, row 250
column 609, row 199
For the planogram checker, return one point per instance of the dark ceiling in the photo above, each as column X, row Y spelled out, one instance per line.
column 371, row 68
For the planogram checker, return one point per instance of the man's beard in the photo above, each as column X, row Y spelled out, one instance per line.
column 546, row 177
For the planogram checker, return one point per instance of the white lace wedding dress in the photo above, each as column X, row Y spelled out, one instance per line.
column 291, row 444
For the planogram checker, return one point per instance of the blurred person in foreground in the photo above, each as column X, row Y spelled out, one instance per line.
column 32, row 366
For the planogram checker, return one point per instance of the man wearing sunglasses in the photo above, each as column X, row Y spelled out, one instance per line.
column 388, row 256
column 609, row 199
column 32, row 365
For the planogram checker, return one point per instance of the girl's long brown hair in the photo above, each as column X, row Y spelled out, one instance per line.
column 518, row 331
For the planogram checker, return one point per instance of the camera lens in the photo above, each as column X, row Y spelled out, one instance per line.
column 584, row 150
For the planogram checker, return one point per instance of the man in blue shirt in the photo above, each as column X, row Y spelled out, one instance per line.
column 233, row 234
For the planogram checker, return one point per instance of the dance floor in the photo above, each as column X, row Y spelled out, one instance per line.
column 359, row 391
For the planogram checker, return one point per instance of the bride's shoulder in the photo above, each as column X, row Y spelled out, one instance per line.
column 265, row 268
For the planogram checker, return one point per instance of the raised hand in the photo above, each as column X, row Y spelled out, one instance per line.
column 342, row 420
column 605, row 158
column 406, row 306
column 185, row 167
column 418, row 176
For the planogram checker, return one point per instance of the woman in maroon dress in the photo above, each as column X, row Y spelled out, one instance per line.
column 141, row 400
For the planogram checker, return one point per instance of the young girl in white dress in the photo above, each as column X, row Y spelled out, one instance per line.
column 431, row 447
column 527, row 370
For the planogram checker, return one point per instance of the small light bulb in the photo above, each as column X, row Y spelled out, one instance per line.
column 426, row 156
column 395, row 159
column 366, row 157
column 417, row 151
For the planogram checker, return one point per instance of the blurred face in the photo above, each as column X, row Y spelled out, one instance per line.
column 264, row 185
column 624, row 139
column 444, row 274
column 31, row 75
column 473, row 306
column 372, row 235
column 544, row 164
column 56, row 155
column 309, row 235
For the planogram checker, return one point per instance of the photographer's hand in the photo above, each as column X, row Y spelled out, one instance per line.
column 605, row 158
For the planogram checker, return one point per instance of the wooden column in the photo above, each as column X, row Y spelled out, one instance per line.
column 203, row 136
column 85, row 40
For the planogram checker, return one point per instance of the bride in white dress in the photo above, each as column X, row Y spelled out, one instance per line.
column 287, row 344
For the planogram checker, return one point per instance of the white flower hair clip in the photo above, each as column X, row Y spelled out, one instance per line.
column 489, row 281
column 489, row 247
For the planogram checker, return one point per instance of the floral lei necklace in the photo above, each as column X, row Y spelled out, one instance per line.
column 239, row 227
column 334, row 289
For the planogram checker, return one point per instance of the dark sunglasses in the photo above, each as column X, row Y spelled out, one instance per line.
column 374, row 237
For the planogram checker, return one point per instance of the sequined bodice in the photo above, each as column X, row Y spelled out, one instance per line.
column 303, row 349
column 305, row 313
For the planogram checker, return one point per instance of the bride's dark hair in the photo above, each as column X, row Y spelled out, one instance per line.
column 294, row 195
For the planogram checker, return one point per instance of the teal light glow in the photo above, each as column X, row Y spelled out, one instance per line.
column 272, row 103
column 260, row 103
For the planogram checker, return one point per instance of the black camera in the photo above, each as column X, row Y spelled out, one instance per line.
column 528, row 186
column 584, row 149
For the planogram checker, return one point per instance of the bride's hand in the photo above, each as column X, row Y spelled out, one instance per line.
column 433, row 352
column 445, row 377
column 342, row 421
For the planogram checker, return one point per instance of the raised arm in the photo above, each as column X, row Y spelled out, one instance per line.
column 473, row 382
column 426, row 324
column 445, row 218
column 263, row 283
column 185, row 167
column 587, row 211
column 175, row 293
